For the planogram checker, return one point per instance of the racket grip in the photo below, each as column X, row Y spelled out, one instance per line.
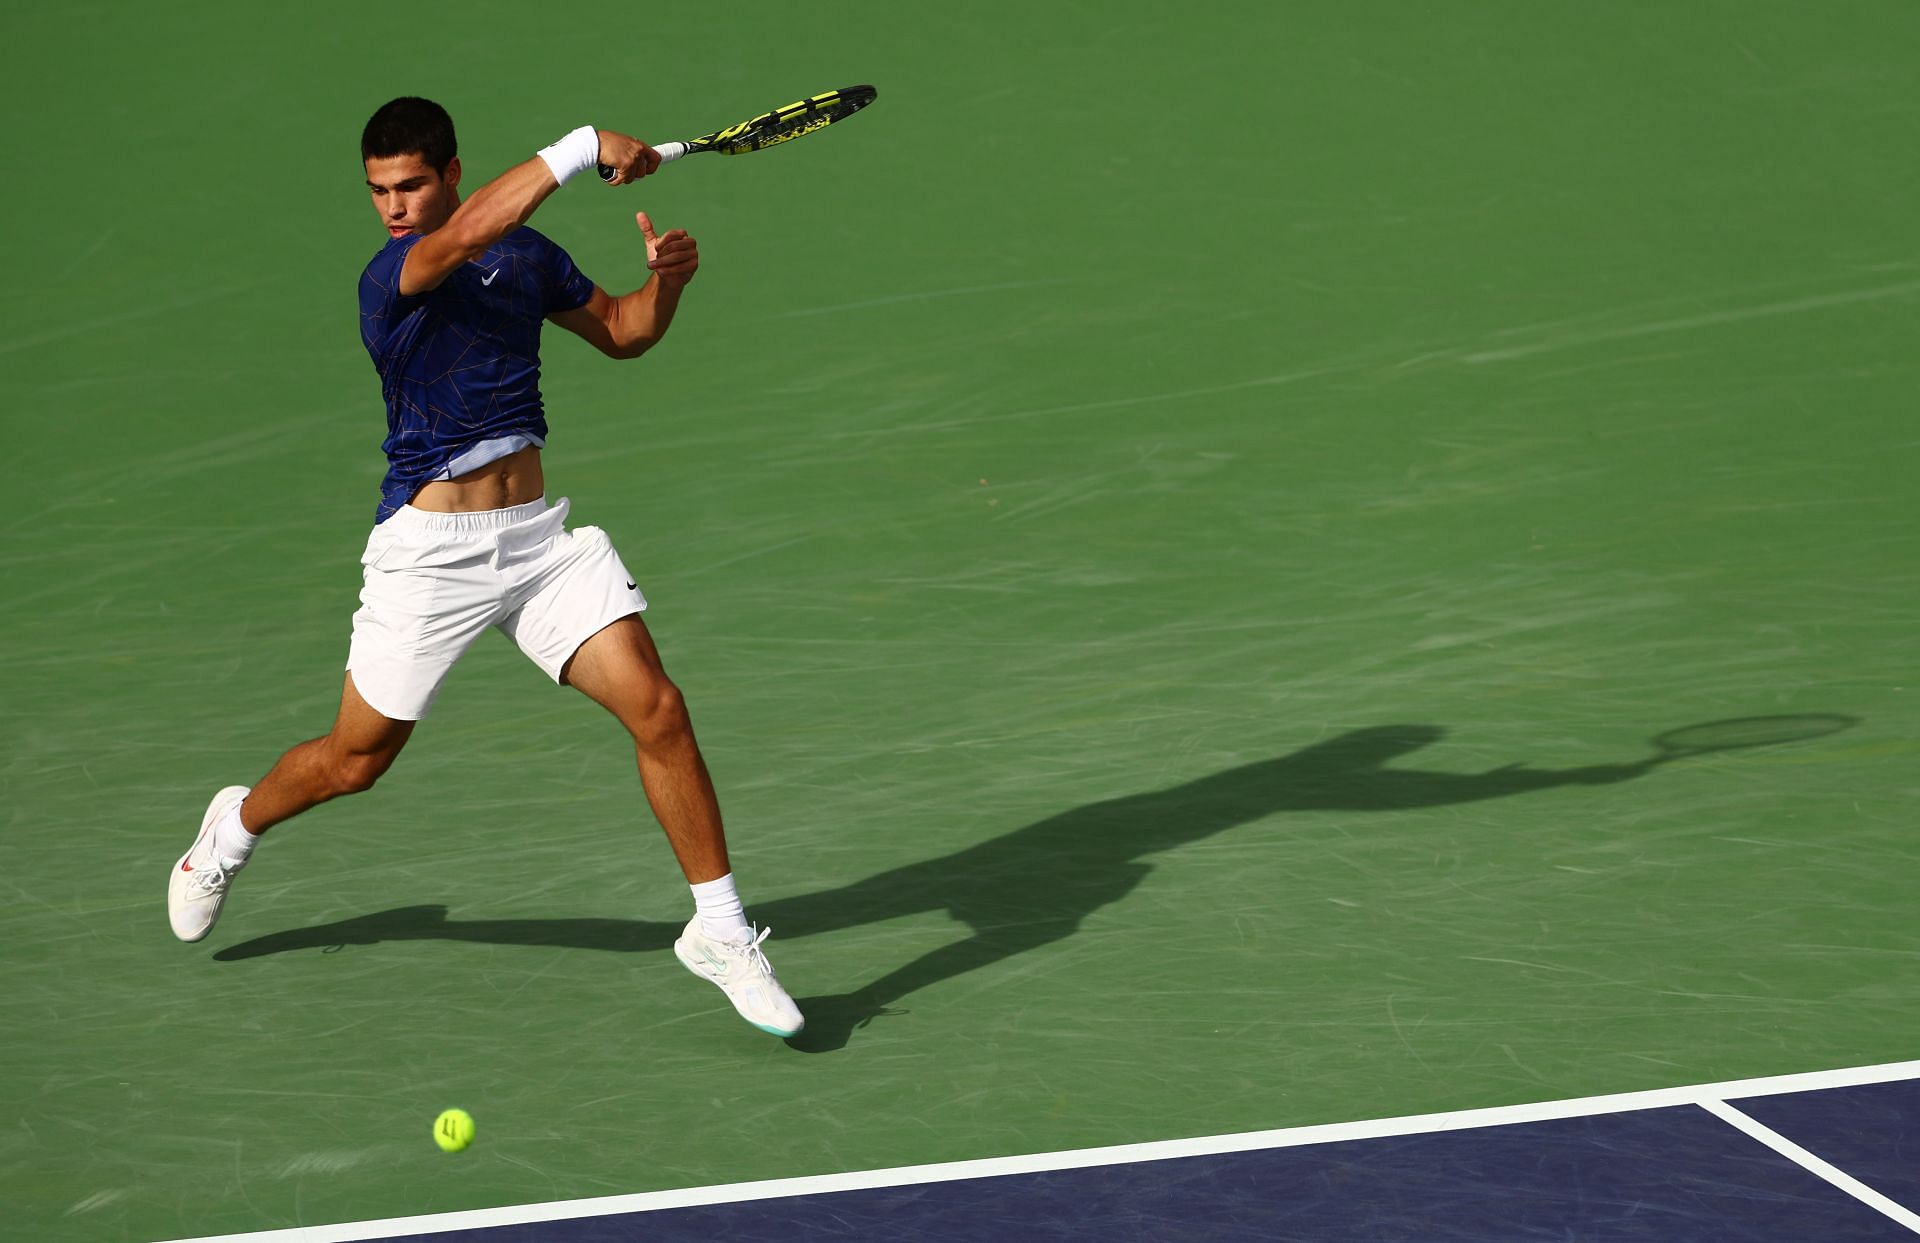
column 669, row 152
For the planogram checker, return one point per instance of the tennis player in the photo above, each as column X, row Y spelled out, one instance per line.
column 464, row 538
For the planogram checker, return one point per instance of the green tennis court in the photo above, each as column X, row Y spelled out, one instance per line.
column 1177, row 527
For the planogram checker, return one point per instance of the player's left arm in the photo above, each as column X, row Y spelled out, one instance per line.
column 630, row 325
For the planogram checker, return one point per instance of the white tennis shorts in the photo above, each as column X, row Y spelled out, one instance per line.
column 435, row 581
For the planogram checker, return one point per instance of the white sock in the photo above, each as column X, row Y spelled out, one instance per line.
column 231, row 841
column 718, row 904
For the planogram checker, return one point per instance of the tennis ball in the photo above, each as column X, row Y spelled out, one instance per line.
column 453, row 1129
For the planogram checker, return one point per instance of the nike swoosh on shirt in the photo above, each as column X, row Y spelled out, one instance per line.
column 488, row 278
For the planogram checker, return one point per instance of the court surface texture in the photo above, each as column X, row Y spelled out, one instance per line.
column 1180, row 528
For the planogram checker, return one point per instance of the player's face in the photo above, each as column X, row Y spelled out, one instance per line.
column 409, row 195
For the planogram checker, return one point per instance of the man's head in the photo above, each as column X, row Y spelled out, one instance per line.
column 413, row 171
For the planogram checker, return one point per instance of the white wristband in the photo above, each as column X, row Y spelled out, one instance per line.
column 575, row 153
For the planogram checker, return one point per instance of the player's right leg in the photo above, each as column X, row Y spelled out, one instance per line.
column 431, row 587
column 349, row 759
column 360, row 747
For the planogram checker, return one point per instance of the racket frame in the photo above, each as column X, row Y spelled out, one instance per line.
column 769, row 129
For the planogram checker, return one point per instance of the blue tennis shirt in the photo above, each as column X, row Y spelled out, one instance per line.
column 460, row 364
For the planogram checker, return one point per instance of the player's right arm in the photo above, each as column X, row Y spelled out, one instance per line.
column 503, row 205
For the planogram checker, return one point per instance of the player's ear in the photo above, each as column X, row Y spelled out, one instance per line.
column 452, row 175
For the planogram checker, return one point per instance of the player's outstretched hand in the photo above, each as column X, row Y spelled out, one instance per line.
column 674, row 256
column 629, row 158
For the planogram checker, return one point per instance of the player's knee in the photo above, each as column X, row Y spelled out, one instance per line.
column 662, row 716
column 356, row 773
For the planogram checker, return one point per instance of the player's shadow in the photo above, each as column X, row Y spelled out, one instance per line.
column 1024, row 889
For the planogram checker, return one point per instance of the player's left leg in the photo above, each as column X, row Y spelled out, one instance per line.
column 619, row 668
column 578, row 618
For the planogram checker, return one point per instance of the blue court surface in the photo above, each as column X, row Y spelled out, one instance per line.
column 1822, row 1156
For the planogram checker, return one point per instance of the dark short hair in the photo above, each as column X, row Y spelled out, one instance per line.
column 410, row 126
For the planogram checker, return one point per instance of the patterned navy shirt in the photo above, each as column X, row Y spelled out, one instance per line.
column 460, row 364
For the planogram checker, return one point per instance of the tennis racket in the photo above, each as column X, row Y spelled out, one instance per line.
column 1748, row 731
column 770, row 128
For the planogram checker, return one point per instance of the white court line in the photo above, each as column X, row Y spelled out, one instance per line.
column 1704, row 1095
column 1800, row 1156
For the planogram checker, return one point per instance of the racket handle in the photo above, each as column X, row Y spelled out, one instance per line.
column 669, row 152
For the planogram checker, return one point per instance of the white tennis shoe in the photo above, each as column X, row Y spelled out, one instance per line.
column 199, row 882
column 741, row 971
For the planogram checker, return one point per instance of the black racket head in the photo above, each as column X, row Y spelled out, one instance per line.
column 1740, row 733
column 796, row 119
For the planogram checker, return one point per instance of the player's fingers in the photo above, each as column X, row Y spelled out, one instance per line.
column 649, row 159
column 673, row 256
column 646, row 227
